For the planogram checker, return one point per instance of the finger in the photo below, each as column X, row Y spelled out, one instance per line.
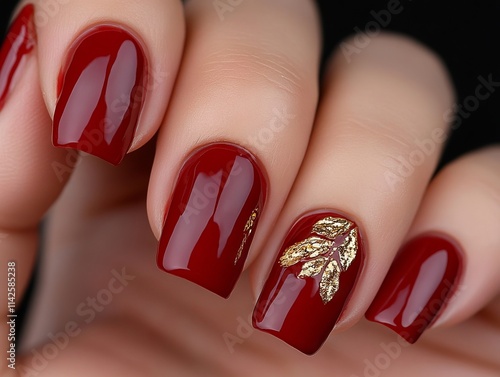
column 28, row 181
column 353, row 200
column 449, row 268
column 245, row 101
column 107, row 69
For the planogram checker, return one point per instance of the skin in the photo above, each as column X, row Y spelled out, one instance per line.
column 163, row 325
column 105, row 221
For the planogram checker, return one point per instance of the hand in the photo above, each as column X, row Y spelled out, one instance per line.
column 243, row 168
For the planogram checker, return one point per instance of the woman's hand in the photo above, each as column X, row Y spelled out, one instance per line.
column 310, row 192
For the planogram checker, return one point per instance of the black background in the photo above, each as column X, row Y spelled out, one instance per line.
column 464, row 33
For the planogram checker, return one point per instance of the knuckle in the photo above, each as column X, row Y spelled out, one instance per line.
column 380, row 127
column 475, row 174
column 254, row 67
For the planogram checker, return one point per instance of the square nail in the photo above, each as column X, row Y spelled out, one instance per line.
column 101, row 93
column 311, row 281
column 417, row 286
column 19, row 42
column 212, row 217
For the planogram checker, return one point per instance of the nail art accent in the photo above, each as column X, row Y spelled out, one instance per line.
column 317, row 254
column 101, row 93
column 313, row 277
column 248, row 231
column 19, row 42
column 212, row 217
column 417, row 286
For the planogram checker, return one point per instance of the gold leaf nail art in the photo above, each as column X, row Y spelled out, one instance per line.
column 329, row 282
column 313, row 267
column 247, row 232
column 310, row 247
column 347, row 251
column 331, row 227
column 319, row 254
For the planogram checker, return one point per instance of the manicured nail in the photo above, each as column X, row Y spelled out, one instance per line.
column 417, row 286
column 212, row 217
column 101, row 93
column 311, row 281
column 19, row 42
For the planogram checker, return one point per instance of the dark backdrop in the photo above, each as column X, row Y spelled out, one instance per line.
column 465, row 33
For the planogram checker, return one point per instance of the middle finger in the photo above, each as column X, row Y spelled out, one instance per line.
column 248, row 79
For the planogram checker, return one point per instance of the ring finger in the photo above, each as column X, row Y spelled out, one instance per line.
column 357, row 192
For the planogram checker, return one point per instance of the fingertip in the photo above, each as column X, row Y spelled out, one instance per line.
column 107, row 71
column 447, row 271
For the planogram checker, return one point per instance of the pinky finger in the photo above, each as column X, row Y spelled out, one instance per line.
column 448, row 270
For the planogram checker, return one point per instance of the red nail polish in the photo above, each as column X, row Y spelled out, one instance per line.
column 101, row 92
column 311, row 281
column 19, row 42
column 213, row 214
column 417, row 286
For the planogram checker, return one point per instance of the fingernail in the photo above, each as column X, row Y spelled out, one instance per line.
column 311, row 281
column 417, row 286
column 212, row 218
column 101, row 93
column 19, row 42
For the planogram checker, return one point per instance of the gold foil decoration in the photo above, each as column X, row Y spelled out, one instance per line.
column 347, row 251
column 331, row 227
column 313, row 267
column 248, row 229
column 329, row 282
column 317, row 254
column 309, row 248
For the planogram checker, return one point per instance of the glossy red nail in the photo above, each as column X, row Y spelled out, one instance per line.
column 417, row 286
column 19, row 42
column 213, row 214
column 101, row 93
column 311, row 281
